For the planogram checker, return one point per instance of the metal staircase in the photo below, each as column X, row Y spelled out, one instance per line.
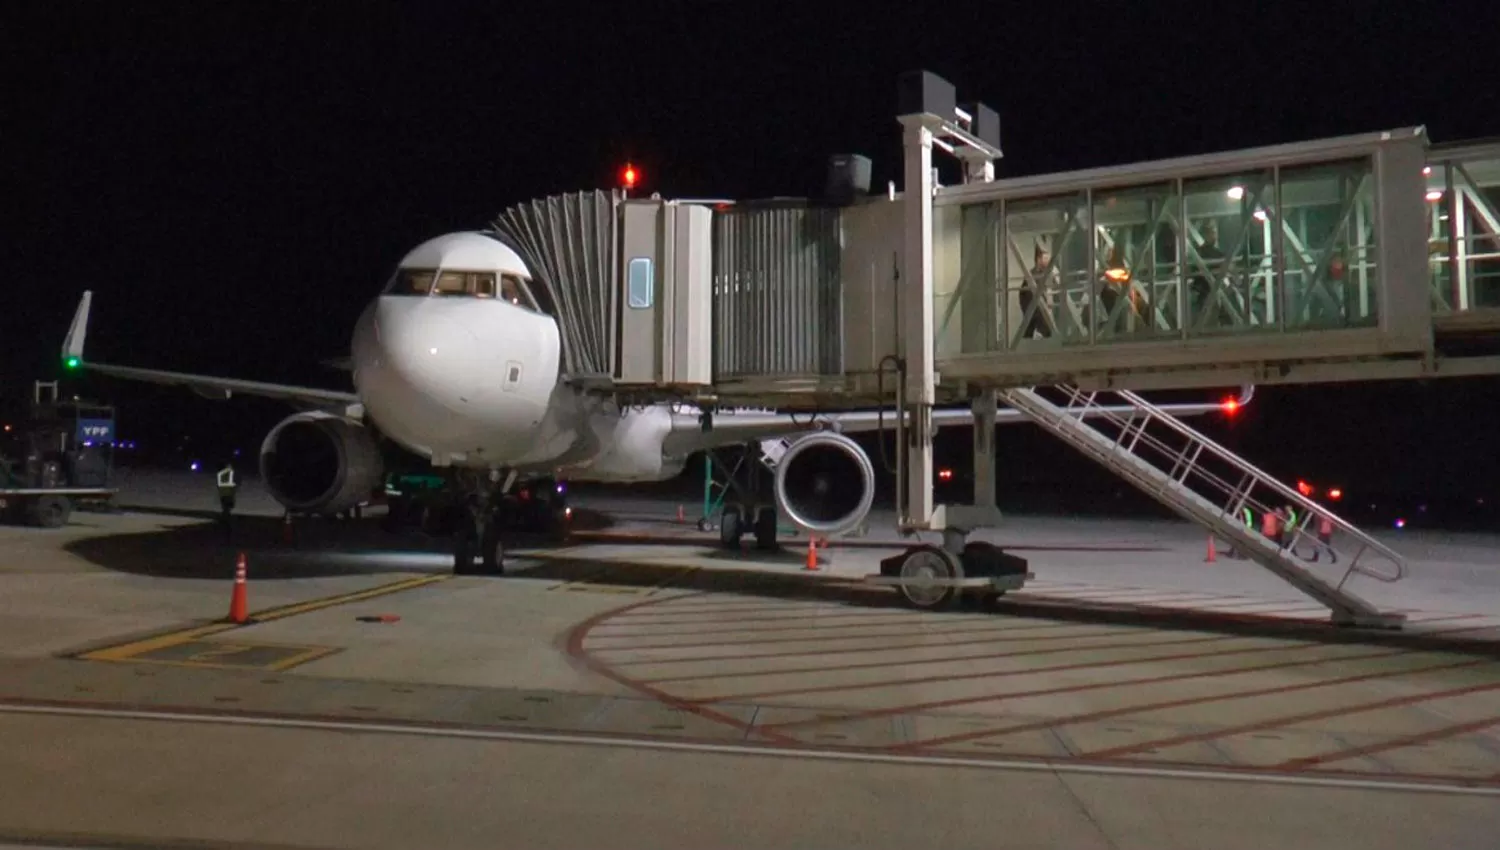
column 1209, row 485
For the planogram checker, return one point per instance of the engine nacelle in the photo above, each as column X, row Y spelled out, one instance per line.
column 825, row 484
column 320, row 463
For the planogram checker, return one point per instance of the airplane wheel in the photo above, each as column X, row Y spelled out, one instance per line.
column 765, row 529
column 492, row 550
column 51, row 511
column 729, row 527
column 926, row 565
column 463, row 551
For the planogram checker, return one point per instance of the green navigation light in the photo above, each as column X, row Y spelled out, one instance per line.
column 72, row 362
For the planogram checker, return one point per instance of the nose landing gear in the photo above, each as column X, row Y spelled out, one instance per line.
column 493, row 508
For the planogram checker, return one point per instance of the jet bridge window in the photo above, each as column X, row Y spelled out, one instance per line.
column 639, row 288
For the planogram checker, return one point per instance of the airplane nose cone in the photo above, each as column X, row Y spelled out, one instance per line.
column 430, row 354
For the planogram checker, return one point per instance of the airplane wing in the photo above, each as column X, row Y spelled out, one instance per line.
column 205, row 385
column 733, row 427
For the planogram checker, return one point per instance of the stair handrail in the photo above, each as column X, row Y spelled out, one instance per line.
column 1313, row 508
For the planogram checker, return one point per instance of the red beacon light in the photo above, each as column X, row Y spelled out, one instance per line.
column 1230, row 406
column 629, row 176
column 1335, row 494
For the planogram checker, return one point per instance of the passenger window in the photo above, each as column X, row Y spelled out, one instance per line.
column 638, row 284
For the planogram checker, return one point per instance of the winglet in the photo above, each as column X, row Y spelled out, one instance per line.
column 72, row 350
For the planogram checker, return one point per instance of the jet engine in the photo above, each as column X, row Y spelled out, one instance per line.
column 320, row 463
column 825, row 483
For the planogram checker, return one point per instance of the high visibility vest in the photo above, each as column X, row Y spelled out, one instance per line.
column 1249, row 518
column 1268, row 524
column 226, row 477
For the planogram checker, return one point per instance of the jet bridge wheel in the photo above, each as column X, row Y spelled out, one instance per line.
column 920, row 569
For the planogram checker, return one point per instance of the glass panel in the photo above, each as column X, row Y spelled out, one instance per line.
column 1445, row 297
column 1328, row 233
column 411, row 282
column 452, row 283
column 1136, row 273
column 1476, row 185
column 966, row 321
column 1048, row 288
column 639, row 283
column 1231, row 276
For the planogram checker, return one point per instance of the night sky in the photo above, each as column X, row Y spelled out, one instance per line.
column 235, row 181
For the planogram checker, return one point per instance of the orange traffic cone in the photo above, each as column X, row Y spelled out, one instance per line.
column 239, row 603
column 1212, row 553
column 812, row 553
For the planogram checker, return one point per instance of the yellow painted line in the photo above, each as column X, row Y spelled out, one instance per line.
column 128, row 651
column 356, row 596
column 602, row 588
column 313, row 653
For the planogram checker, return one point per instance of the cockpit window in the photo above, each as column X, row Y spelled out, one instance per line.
column 452, row 283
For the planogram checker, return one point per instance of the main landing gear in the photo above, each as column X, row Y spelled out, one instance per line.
column 493, row 508
column 742, row 492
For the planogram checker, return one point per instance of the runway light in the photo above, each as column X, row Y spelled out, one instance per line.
column 1236, row 192
column 1335, row 494
column 193, row 466
column 945, row 474
column 1435, row 195
column 1400, row 523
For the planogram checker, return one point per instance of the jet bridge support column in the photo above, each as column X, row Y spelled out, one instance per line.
column 934, row 576
column 916, row 326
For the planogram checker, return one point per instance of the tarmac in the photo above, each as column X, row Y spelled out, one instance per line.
column 639, row 686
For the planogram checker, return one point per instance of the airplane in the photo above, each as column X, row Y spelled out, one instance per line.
column 458, row 361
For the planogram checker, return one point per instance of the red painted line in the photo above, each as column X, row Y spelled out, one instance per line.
column 1459, row 631
column 1001, row 674
column 699, row 612
column 1445, row 618
column 1023, row 653
column 1398, row 743
column 1084, row 592
column 905, row 633
column 575, row 650
column 896, row 647
column 1325, row 714
column 793, row 618
column 812, row 625
column 1072, row 689
column 423, row 725
column 1109, row 714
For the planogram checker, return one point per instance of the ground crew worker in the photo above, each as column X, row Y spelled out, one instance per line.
column 1325, row 539
column 227, row 489
column 1249, row 516
column 1270, row 525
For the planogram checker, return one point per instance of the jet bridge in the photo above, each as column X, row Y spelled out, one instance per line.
column 1362, row 257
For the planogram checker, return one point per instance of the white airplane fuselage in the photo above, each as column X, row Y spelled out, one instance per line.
column 476, row 383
